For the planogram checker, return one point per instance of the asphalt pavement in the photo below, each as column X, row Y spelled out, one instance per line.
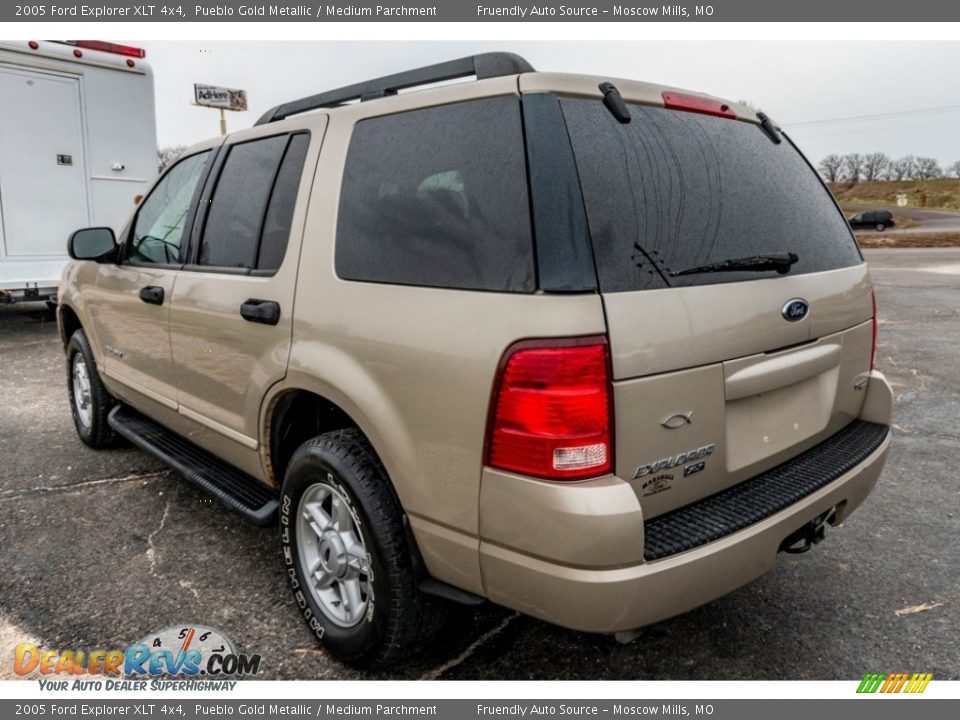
column 99, row 548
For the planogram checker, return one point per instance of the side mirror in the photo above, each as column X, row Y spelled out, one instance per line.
column 98, row 244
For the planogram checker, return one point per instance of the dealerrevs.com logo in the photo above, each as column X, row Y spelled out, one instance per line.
column 189, row 651
column 894, row 683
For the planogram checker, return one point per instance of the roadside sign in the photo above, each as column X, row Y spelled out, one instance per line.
column 902, row 199
column 220, row 97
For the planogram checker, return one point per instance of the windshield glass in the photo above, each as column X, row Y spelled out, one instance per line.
column 673, row 190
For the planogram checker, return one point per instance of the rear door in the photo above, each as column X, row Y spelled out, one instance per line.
column 232, row 308
column 43, row 190
column 718, row 375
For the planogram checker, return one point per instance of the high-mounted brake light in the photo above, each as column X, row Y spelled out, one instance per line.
column 696, row 104
column 873, row 345
column 109, row 47
column 551, row 412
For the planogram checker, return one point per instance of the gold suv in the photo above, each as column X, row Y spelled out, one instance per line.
column 592, row 349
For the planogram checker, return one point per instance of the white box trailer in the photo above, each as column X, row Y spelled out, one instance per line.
column 78, row 144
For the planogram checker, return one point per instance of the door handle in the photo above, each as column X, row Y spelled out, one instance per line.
column 152, row 294
column 261, row 311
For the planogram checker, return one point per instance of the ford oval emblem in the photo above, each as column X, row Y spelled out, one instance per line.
column 795, row 310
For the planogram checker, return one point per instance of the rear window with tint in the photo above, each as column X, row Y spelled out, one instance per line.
column 438, row 197
column 251, row 211
column 239, row 203
column 674, row 190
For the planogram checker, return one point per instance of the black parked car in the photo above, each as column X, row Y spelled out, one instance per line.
column 879, row 220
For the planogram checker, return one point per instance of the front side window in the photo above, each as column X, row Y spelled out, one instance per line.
column 438, row 197
column 159, row 232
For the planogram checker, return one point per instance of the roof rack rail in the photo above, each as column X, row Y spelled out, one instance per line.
column 485, row 65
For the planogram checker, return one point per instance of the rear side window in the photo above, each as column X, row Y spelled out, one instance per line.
column 277, row 223
column 438, row 197
column 675, row 190
column 248, row 222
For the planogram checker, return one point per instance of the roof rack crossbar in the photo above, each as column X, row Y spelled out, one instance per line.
column 485, row 65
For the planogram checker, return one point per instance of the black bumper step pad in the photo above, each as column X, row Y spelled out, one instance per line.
column 232, row 487
column 760, row 497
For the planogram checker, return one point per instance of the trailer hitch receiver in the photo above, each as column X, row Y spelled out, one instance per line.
column 799, row 541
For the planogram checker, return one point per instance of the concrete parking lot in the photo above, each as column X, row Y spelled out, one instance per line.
column 98, row 549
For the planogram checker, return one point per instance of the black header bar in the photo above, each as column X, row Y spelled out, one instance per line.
column 860, row 11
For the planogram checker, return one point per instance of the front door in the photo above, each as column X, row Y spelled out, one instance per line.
column 131, row 304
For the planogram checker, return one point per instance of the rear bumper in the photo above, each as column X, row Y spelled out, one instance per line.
column 28, row 294
column 609, row 599
column 30, row 273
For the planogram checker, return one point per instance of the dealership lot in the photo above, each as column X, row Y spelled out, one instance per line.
column 99, row 549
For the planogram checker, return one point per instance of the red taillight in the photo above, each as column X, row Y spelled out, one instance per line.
column 873, row 347
column 697, row 104
column 109, row 47
column 550, row 414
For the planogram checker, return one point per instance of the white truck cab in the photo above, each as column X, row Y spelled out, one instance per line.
column 77, row 146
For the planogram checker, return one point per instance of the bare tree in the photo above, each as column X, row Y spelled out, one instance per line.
column 167, row 155
column 927, row 168
column 902, row 168
column 874, row 165
column 831, row 167
column 852, row 167
column 955, row 169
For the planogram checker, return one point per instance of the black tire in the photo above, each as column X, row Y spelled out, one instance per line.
column 97, row 432
column 881, row 227
column 398, row 619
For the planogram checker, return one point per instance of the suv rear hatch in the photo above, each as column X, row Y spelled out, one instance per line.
column 718, row 375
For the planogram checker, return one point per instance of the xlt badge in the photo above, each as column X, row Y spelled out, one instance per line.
column 674, row 460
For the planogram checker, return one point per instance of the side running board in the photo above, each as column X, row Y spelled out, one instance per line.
column 238, row 491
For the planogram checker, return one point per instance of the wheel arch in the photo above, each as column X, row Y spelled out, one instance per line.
column 68, row 321
column 303, row 406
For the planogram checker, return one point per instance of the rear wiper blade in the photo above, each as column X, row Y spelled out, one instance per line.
column 780, row 262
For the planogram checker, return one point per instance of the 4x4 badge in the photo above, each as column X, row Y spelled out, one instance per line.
column 795, row 310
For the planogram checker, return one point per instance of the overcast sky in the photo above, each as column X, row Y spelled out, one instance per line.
column 796, row 83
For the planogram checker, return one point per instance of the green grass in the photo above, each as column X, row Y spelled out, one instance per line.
column 943, row 193
column 911, row 240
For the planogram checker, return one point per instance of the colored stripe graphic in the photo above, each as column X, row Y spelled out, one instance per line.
column 925, row 679
column 870, row 683
column 894, row 682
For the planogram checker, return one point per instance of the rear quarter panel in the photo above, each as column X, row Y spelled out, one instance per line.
column 413, row 366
